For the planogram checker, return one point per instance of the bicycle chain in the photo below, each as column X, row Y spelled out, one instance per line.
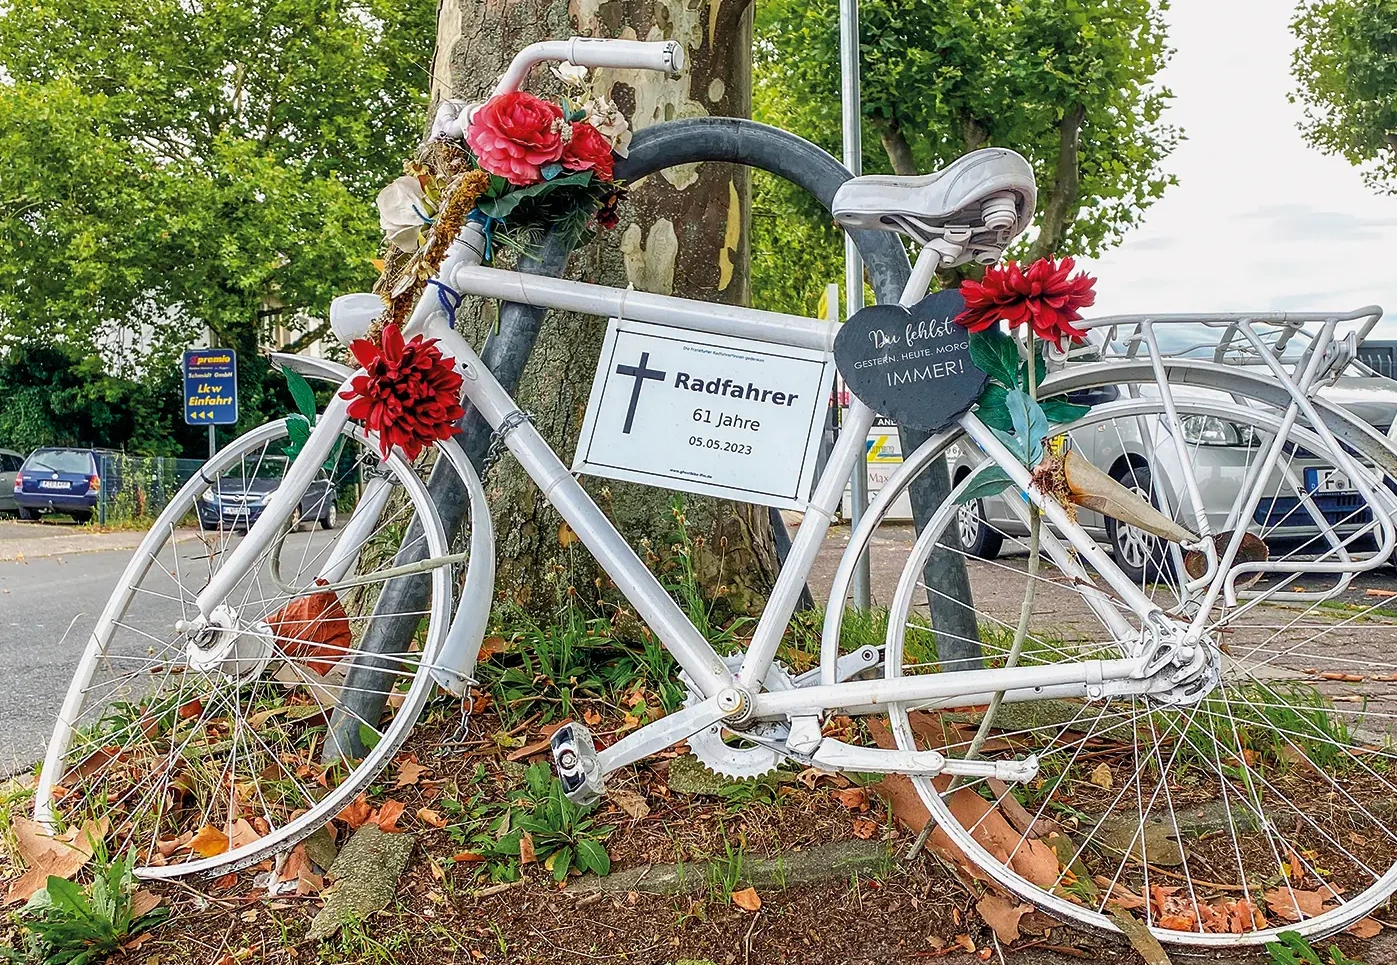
column 497, row 444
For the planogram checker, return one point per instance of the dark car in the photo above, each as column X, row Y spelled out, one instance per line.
column 59, row 480
column 237, row 501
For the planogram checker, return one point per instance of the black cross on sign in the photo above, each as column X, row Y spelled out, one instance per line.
column 640, row 373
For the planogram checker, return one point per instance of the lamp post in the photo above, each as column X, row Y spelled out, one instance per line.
column 852, row 104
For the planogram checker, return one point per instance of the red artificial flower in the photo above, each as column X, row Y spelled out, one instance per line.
column 608, row 215
column 1043, row 296
column 409, row 394
column 588, row 150
column 514, row 135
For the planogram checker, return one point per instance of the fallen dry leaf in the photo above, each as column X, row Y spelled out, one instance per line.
column 44, row 855
column 144, row 902
column 357, row 812
column 387, row 816
column 966, row 942
column 409, row 771
column 854, row 798
column 313, row 629
column 747, row 899
column 590, row 717
column 467, row 857
column 1003, row 916
column 1364, row 928
column 526, row 849
column 529, row 750
column 1293, row 904
column 566, row 536
column 430, row 818
column 491, row 646
column 813, row 775
column 208, row 841
column 1101, row 777
column 865, row 828
column 633, row 803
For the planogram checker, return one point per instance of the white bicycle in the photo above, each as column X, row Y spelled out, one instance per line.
column 1208, row 748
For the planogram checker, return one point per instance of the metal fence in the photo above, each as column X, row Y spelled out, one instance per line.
column 138, row 487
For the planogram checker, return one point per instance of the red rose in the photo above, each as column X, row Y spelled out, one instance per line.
column 513, row 135
column 1043, row 296
column 409, row 394
column 589, row 151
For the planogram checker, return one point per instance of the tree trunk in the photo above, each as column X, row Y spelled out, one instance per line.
column 684, row 232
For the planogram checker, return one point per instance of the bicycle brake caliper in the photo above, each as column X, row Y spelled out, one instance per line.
column 575, row 759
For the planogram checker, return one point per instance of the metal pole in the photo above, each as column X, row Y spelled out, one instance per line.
column 213, row 441
column 852, row 103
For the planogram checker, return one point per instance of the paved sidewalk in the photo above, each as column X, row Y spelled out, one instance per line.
column 32, row 541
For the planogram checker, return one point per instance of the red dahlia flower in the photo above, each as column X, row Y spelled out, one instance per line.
column 409, row 394
column 1043, row 296
column 588, row 151
column 514, row 135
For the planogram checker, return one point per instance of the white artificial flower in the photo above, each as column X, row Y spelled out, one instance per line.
column 403, row 211
column 607, row 118
column 571, row 75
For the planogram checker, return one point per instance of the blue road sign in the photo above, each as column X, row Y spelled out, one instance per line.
column 210, row 387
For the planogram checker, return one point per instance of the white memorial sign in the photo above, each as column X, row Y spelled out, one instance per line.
column 710, row 414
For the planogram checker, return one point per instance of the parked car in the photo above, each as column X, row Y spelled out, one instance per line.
column 10, row 461
column 59, row 479
column 1146, row 462
column 237, row 501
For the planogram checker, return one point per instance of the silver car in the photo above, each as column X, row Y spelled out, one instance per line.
column 10, row 461
column 1138, row 453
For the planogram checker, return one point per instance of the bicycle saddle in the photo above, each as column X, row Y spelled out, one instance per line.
column 982, row 201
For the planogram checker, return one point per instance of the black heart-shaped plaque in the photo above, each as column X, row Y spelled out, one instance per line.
column 912, row 366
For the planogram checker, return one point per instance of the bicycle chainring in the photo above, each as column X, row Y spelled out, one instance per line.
column 729, row 753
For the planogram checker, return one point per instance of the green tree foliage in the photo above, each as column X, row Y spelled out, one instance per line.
column 170, row 164
column 1067, row 83
column 1346, row 65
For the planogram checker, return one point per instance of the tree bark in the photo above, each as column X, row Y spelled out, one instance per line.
column 1062, row 205
column 684, row 232
column 896, row 147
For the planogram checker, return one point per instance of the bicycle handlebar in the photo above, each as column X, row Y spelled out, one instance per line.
column 667, row 56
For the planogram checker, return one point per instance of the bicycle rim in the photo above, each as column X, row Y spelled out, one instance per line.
column 208, row 759
column 1264, row 807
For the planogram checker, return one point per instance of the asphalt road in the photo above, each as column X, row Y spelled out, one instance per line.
column 50, row 597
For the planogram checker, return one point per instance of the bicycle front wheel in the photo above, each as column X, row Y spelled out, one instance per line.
column 1263, row 804
column 209, row 752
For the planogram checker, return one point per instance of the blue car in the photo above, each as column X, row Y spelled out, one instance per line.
column 59, row 480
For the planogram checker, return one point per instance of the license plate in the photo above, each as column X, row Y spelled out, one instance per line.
column 54, row 484
column 1330, row 480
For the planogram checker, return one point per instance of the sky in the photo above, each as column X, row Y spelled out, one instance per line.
column 1259, row 219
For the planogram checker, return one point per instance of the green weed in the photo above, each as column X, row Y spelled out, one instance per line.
column 1294, row 950
column 725, row 872
column 69, row 924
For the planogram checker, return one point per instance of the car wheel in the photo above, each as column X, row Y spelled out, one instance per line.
column 297, row 521
column 81, row 517
column 974, row 533
column 27, row 514
column 1140, row 555
column 331, row 518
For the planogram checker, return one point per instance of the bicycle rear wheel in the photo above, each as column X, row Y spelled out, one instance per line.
column 206, row 754
column 1266, row 805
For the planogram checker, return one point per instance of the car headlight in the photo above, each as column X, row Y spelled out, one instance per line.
column 209, row 497
column 1209, row 430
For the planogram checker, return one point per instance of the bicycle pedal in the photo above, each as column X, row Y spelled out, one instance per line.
column 576, row 762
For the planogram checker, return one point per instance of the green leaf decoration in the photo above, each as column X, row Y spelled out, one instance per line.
column 990, row 481
column 501, row 207
column 1030, row 426
column 1060, row 412
column 498, row 186
column 992, row 411
column 301, row 392
column 298, row 431
column 997, row 355
column 551, row 171
column 576, row 114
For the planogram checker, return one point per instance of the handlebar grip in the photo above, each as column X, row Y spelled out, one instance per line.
column 667, row 55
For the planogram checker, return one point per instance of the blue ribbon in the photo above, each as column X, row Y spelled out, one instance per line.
column 450, row 300
column 487, row 224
